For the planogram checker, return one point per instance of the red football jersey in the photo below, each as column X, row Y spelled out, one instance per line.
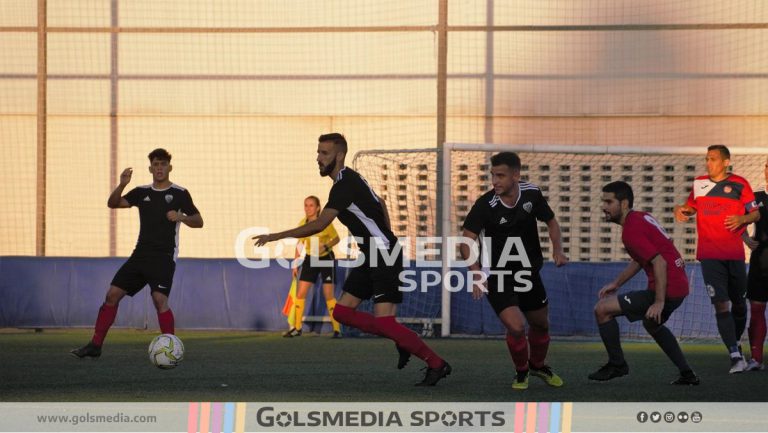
column 714, row 201
column 644, row 238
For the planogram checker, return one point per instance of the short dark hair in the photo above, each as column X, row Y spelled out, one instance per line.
column 160, row 154
column 338, row 140
column 622, row 191
column 509, row 159
column 724, row 152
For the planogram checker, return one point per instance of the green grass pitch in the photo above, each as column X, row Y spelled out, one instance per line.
column 262, row 367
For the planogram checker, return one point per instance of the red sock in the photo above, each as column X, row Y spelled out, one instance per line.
column 165, row 319
column 104, row 320
column 362, row 321
column 757, row 330
column 539, row 345
column 408, row 340
column 518, row 348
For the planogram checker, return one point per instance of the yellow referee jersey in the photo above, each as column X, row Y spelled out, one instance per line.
column 324, row 238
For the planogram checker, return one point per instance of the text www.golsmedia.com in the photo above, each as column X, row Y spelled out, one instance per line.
column 93, row 419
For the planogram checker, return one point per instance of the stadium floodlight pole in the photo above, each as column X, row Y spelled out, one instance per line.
column 42, row 122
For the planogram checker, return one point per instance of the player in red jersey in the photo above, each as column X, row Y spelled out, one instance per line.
column 757, row 280
column 724, row 205
column 652, row 251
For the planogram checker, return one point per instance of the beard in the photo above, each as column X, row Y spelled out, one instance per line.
column 609, row 218
column 328, row 169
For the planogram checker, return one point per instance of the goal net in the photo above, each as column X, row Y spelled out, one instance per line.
column 429, row 196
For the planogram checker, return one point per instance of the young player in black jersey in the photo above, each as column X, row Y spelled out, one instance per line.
column 506, row 216
column 359, row 208
column 163, row 206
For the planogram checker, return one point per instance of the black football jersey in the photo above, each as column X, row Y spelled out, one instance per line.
column 156, row 233
column 360, row 210
column 492, row 219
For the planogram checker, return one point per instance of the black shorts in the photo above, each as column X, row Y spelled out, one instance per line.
column 510, row 295
column 635, row 304
column 757, row 280
column 380, row 282
column 138, row 271
column 325, row 268
column 725, row 280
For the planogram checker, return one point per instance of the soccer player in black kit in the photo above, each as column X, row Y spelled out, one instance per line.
column 163, row 206
column 505, row 214
column 359, row 208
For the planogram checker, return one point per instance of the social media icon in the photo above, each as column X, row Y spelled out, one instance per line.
column 655, row 416
column 682, row 417
column 696, row 417
column 669, row 417
column 642, row 417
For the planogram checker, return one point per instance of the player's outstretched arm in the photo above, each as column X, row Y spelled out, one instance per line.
column 116, row 199
column 326, row 217
column 558, row 255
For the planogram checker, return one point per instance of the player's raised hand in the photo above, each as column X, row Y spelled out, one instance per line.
column 733, row 222
column 125, row 176
column 683, row 213
column 607, row 289
column 560, row 258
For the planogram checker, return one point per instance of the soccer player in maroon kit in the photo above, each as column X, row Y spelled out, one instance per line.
column 358, row 207
column 757, row 280
column 724, row 205
column 163, row 206
column 506, row 213
column 652, row 251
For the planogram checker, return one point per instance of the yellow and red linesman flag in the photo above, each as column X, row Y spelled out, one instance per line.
column 288, row 308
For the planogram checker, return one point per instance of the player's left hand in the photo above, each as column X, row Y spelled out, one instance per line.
column 174, row 216
column 654, row 311
column 262, row 240
column 560, row 258
column 733, row 222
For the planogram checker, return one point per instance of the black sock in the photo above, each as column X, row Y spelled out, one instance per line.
column 727, row 329
column 609, row 332
column 670, row 346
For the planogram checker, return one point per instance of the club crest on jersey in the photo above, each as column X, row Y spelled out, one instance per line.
column 168, row 198
column 727, row 189
column 527, row 206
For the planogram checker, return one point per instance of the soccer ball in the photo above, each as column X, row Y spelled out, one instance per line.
column 166, row 351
